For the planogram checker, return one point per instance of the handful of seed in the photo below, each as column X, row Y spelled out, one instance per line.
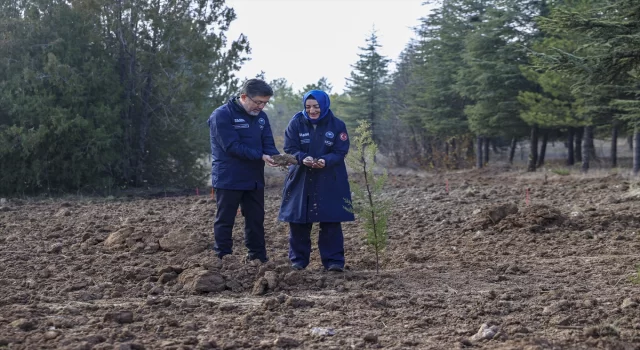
column 284, row 159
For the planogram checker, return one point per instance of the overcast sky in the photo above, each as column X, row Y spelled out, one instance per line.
column 304, row 40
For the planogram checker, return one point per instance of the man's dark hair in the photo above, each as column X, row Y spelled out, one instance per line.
column 256, row 87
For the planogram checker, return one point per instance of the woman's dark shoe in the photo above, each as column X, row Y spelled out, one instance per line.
column 297, row 267
column 335, row 268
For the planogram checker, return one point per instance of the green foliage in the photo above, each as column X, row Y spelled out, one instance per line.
column 603, row 61
column 433, row 62
column 554, row 106
column 463, row 74
column 285, row 104
column 102, row 93
column 635, row 279
column 368, row 202
column 561, row 172
column 322, row 85
column 492, row 78
column 367, row 88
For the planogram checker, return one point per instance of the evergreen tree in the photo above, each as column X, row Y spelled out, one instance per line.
column 367, row 88
column 285, row 104
column 491, row 77
column 322, row 84
column 604, row 62
column 104, row 93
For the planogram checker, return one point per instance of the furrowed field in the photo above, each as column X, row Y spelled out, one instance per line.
column 479, row 264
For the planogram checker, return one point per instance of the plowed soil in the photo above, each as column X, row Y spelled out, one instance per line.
column 485, row 259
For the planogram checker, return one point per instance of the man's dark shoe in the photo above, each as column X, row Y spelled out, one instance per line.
column 297, row 267
column 335, row 268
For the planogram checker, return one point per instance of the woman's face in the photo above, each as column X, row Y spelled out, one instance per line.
column 312, row 108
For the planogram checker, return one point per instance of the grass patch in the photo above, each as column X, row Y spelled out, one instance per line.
column 635, row 278
column 561, row 172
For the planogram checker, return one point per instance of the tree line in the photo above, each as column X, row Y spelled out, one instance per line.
column 99, row 94
column 112, row 94
column 483, row 74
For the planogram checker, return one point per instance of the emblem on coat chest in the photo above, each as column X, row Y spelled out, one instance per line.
column 329, row 135
column 262, row 122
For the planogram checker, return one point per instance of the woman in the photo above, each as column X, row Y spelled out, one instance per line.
column 317, row 188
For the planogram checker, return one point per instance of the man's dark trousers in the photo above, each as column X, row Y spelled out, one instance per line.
column 252, row 205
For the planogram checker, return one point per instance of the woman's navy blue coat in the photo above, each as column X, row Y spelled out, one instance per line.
column 316, row 195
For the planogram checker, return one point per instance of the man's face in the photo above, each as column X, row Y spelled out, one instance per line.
column 253, row 105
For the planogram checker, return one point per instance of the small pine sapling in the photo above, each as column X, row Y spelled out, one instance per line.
column 367, row 201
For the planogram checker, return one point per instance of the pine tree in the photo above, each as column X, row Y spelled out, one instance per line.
column 604, row 62
column 98, row 93
column 491, row 77
column 368, row 202
column 367, row 88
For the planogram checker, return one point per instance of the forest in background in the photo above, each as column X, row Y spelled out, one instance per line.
column 99, row 95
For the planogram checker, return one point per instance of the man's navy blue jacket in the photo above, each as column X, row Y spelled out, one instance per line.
column 316, row 195
column 238, row 141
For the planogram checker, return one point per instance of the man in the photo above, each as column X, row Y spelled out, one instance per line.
column 241, row 143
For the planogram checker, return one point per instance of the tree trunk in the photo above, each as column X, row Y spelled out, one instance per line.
column 636, row 152
column 630, row 142
column 533, row 149
column 469, row 144
column 479, row 143
column 590, row 145
column 127, row 65
column 614, row 145
column 487, row 141
column 570, row 154
column 145, row 124
column 147, row 113
column 454, row 153
column 512, row 150
column 543, row 148
column 429, row 155
column 586, row 144
column 415, row 150
column 578, row 143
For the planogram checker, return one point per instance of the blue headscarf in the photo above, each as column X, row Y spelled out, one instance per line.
column 323, row 102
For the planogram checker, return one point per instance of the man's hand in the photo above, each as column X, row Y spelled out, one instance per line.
column 267, row 159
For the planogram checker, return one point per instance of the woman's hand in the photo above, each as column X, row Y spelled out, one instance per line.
column 318, row 164
column 308, row 161
column 313, row 163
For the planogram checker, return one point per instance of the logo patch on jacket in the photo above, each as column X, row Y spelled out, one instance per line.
column 329, row 135
column 241, row 126
column 306, row 134
column 343, row 136
column 240, row 120
column 261, row 121
column 328, row 143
